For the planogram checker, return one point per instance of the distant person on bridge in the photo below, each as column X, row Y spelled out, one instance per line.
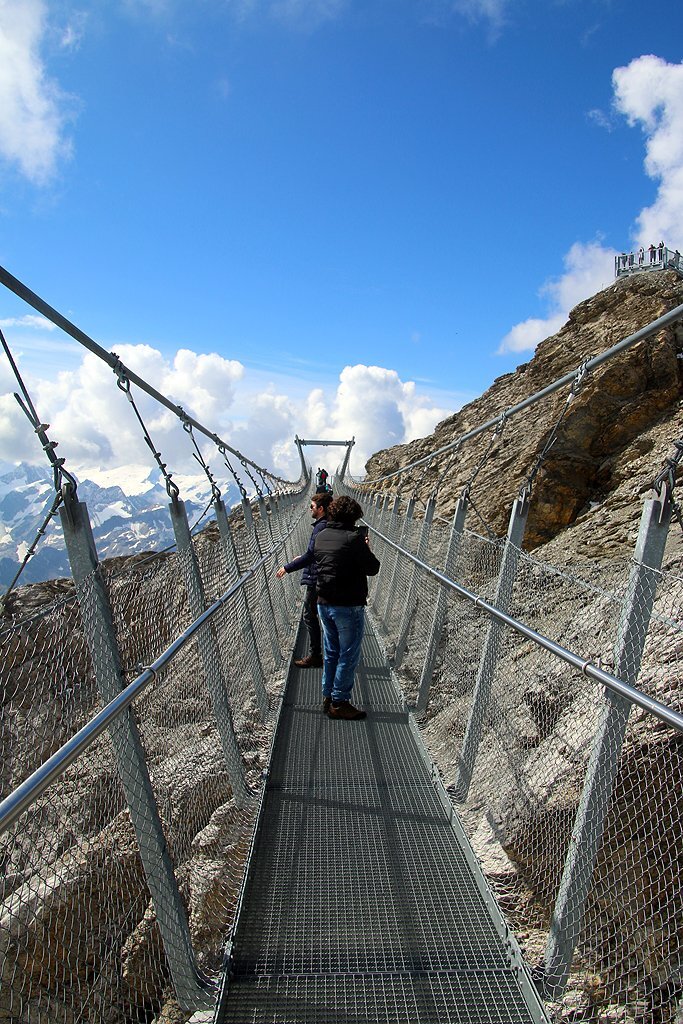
column 314, row 659
column 321, row 480
column 344, row 562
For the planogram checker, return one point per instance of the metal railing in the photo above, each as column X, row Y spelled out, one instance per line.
column 126, row 822
column 655, row 257
column 547, row 762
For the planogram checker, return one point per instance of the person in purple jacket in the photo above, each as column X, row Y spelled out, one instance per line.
column 314, row 659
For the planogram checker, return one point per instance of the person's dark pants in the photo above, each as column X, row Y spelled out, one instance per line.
column 312, row 622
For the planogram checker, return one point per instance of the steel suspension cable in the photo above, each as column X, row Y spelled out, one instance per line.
column 123, row 383
column 647, row 703
column 467, row 489
column 222, row 449
column 27, row 792
column 527, row 486
column 197, row 455
column 58, row 470
column 666, row 479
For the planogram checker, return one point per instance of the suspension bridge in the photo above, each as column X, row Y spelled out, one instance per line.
column 184, row 835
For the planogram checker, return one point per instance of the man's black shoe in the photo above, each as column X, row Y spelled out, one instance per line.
column 311, row 661
column 346, row 711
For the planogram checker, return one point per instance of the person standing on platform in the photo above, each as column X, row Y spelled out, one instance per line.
column 344, row 561
column 314, row 659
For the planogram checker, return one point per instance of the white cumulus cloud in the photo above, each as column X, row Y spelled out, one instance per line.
column 649, row 93
column 32, row 107
column 17, row 440
column 97, row 430
column 95, row 425
column 30, row 320
column 203, row 384
column 374, row 406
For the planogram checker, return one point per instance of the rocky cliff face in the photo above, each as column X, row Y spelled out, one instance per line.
column 623, row 420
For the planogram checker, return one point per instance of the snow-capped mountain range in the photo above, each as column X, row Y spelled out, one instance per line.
column 123, row 523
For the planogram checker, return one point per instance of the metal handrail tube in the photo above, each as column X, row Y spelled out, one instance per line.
column 51, row 314
column 568, row 378
column 13, row 806
column 654, row 707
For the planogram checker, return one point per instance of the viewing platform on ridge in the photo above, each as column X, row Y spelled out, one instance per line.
column 655, row 257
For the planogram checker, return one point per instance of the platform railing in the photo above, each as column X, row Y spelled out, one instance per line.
column 655, row 257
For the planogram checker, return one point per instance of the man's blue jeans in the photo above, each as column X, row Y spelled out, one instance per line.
column 342, row 635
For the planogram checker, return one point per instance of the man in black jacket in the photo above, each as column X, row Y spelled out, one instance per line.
column 314, row 659
column 344, row 562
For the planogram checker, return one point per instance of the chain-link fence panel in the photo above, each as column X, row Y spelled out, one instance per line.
column 78, row 942
column 207, row 825
column 47, row 689
column 212, row 563
column 538, row 721
column 149, row 608
column 84, row 935
column 661, row 669
column 74, row 889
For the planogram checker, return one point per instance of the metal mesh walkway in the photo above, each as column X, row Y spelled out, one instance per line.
column 363, row 901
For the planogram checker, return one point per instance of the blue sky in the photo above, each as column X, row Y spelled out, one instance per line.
column 365, row 211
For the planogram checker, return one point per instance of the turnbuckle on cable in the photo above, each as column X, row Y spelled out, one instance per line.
column 666, row 481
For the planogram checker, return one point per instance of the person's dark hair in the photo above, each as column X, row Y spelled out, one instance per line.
column 323, row 500
column 345, row 510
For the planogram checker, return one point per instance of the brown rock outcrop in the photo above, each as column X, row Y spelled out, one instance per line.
column 618, row 402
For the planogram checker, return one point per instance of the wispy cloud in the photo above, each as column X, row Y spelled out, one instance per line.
column 648, row 92
column 33, row 113
column 306, row 14
column 490, row 13
column 588, row 267
column 601, row 119
column 153, row 7
column 33, row 322
column 72, row 33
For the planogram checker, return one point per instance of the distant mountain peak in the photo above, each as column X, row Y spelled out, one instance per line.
column 123, row 522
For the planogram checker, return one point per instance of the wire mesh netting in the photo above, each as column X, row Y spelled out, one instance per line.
column 86, row 932
column 150, row 826
column 533, row 751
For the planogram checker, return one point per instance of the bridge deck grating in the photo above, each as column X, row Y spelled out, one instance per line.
column 443, row 997
column 360, row 903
